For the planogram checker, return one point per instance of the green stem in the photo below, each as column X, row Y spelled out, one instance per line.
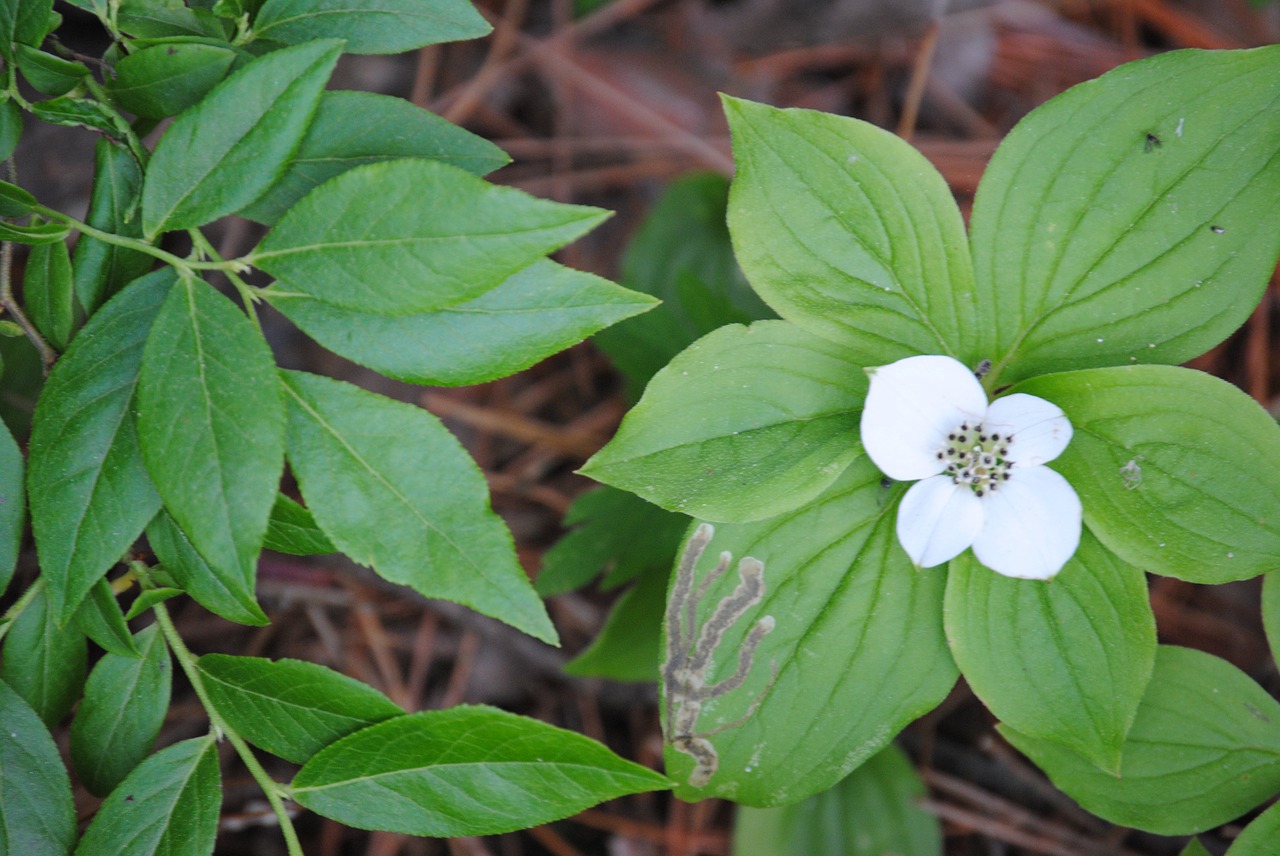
column 270, row 787
column 126, row 130
column 140, row 245
column 20, row 606
column 248, row 294
column 48, row 356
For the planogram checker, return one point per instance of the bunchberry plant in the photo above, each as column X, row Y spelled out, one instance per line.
column 164, row 413
column 1124, row 227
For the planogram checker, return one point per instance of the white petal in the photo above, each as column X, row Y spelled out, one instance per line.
column 911, row 407
column 1032, row 525
column 1039, row 428
column 937, row 520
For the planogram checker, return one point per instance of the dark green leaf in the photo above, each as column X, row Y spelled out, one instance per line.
column 125, row 702
column 10, row 127
column 211, row 427
column 48, row 74
column 37, row 814
column 44, row 663
column 857, row 650
column 1177, row 470
column 24, row 22
column 151, row 597
column 292, row 529
column 395, row 490
column 1204, row 748
column 746, row 423
column 225, row 593
column 291, row 708
column 37, row 233
column 366, row 241
column 614, row 532
column 370, row 26
column 100, row 618
column 166, row 19
column 629, row 644
column 226, row 151
column 1065, row 660
column 463, row 771
column 1260, row 836
column 15, row 201
column 1271, row 612
column 13, row 506
column 164, row 80
column 48, row 293
column 536, row 312
column 848, row 231
column 90, row 494
column 101, row 269
column 1133, row 218
column 355, row 128
column 871, row 812
column 168, row 806
column 78, row 112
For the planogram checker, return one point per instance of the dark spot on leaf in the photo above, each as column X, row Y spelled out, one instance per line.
column 1153, row 143
column 1257, row 713
column 128, row 798
column 1217, row 230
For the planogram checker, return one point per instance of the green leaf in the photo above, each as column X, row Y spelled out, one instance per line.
column 125, row 701
column 48, row 74
column 90, row 493
column 849, row 232
column 151, row 597
column 1204, row 748
column 746, row 423
column 44, row 663
column 370, row 26
column 291, row 708
column 871, row 812
column 211, row 426
column 1065, row 660
column 48, row 293
column 614, row 532
column 146, row 19
column 629, row 644
column 101, row 619
column 15, row 201
column 10, row 127
column 394, row 490
column 79, row 112
column 1271, row 612
column 1177, row 470
column 24, row 22
column 37, row 814
column 857, row 650
column 164, row 80
column 1133, row 218
column 463, row 771
column 226, row 151
column 168, row 805
column 101, row 269
column 355, row 128
column 536, row 312
column 13, row 507
column 35, row 234
column 293, row 530
column 1260, row 836
column 1194, row 848
column 223, row 592
column 366, row 241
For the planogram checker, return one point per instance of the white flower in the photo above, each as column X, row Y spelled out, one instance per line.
column 983, row 483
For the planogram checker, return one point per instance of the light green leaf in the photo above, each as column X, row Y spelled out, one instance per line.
column 48, row 293
column 101, row 269
column 1065, row 660
column 871, row 812
column 1260, row 836
column 223, row 592
column 1204, row 748
column 463, row 771
column 849, row 232
column 163, row 80
column 857, row 650
column 370, row 26
column 16, row 201
column 366, row 241
column 225, row 152
column 291, row 708
column 101, row 619
column 44, row 663
column 168, row 806
column 1194, row 848
column 125, row 702
column 746, row 423
column 394, row 490
column 34, row 234
column 293, row 530
column 13, row 507
column 1177, row 470
column 629, row 644
column 1133, row 218
column 146, row 19
column 211, row 426
column 614, row 532
column 79, row 112
column 90, row 494
column 150, row 598
column 355, row 128
column 37, row 814
column 536, row 312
